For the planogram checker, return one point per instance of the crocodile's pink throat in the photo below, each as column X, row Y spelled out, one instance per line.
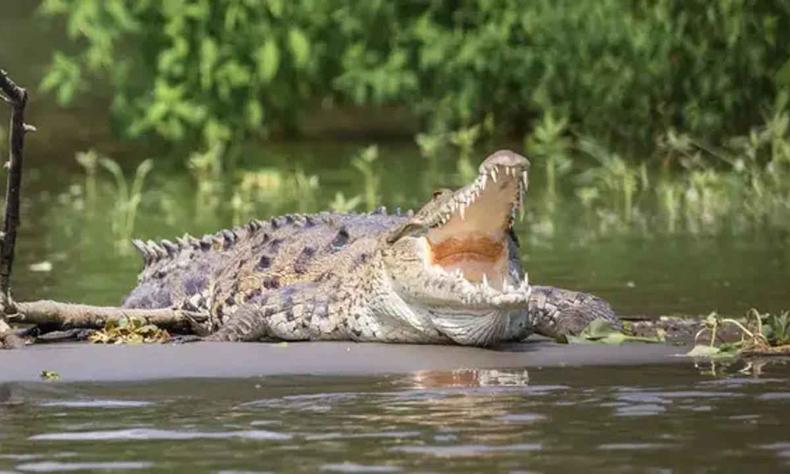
column 473, row 239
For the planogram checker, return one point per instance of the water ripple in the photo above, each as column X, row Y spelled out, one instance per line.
column 352, row 467
column 154, row 434
column 467, row 449
column 95, row 404
column 49, row 466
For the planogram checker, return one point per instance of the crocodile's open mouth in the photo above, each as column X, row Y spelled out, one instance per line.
column 470, row 234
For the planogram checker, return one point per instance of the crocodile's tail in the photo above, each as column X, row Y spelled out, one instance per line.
column 180, row 272
column 176, row 273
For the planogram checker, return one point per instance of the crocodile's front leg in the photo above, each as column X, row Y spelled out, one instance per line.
column 555, row 312
column 289, row 313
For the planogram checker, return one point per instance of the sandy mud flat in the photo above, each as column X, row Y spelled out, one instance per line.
column 94, row 362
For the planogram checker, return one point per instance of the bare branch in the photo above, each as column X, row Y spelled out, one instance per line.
column 18, row 99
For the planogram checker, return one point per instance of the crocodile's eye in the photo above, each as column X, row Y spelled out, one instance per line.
column 441, row 192
column 409, row 228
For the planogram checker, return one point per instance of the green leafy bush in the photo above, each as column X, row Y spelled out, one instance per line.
column 619, row 70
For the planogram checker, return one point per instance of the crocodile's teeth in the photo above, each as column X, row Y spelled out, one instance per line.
column 524, row 179
column 493, row 175
column 461, row 210
column 483, row 181
column 524, row 283
column 485, row 280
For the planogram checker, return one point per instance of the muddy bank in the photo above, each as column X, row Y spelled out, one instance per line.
column 94, row 362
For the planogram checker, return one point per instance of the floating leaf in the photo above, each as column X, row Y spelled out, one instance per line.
column 601, row 331
column 49, row 375
column 711, row 352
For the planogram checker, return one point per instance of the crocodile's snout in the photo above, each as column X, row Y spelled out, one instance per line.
column 504, row 158
column 456, row 253
column 469, row 234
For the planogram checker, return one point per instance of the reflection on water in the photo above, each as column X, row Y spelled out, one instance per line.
column 625, row 418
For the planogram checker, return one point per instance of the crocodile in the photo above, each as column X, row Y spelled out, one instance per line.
column 448, row 273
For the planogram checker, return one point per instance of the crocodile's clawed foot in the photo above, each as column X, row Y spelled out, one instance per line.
column 557, row 312
column 185, row 339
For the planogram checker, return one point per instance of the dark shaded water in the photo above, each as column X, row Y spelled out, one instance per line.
column 654, row 418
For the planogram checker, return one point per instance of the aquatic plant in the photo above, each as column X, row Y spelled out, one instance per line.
column 304, row 188
column 613, row 176
column 89, row 161
column 341, row 203
column 364, row 163
column 746, row 180
column 430, row 144
column 465, row 140
column 206, row 168
column 761, row 334
column 432, row 147
column 550, row 143
column 253, row 189
column 127, row 197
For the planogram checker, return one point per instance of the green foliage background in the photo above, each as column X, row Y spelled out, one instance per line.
column 620, row 70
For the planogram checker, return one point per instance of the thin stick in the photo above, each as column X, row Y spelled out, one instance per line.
column 17, row 97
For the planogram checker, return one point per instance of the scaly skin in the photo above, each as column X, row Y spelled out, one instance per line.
column 369, row 277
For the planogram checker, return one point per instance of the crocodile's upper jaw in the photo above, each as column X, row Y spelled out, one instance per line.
column 473, row 237
column 453, row 258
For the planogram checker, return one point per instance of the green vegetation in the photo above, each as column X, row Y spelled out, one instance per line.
column 685, row 185
column 761, row 334
column 600, row 331
column 623, row 71
column 125, row 197
column 667, row 115
column 364, row 164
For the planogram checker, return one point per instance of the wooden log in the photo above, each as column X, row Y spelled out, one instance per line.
column 70, row 315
